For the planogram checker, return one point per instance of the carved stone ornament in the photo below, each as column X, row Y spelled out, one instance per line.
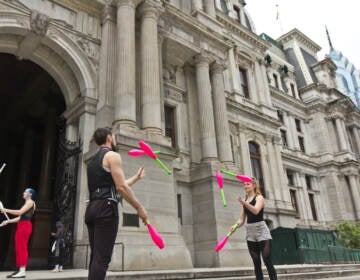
column 39, row 23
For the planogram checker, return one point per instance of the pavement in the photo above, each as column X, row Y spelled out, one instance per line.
column 80, row 274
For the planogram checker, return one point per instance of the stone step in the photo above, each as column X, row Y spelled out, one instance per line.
column 290, row 272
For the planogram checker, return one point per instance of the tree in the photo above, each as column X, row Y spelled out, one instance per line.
column 349, row 234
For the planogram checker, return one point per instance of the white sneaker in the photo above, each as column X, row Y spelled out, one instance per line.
column 60, row 269
column 20, row 274
column 55, row 270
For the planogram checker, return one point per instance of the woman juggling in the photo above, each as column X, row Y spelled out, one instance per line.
column 23, row 230
column 257, row 233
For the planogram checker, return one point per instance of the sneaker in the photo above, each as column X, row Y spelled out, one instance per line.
column 19, row 275
column 60, row 269
column 10, row 275
column 55, row 270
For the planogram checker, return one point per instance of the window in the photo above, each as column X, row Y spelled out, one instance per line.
column 130, row 220
column 308, row 182
column 294, row 201
column 244, row 82
column 301, row 144
column 298, row 125
column 237, row 13
column 292, row 87
column 312, row 205
column 290, row 177
column 255, row 159
column 280, row 116
column 276, row 82
column 170, row 124
column 224, row 6
column 179, row 205
column 283, row 137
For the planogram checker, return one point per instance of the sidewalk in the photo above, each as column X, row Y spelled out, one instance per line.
column 296, row 272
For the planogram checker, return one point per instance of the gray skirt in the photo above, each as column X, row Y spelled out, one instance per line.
column 257, row 232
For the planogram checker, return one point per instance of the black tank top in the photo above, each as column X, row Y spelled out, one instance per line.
column 252, row 218
column 100, row 181
column 27, row 216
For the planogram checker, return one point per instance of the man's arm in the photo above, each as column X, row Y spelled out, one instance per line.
column 139, row 175
column 122, row 187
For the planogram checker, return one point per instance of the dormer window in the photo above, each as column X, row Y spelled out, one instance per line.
column 237, row 14
column 224, row 7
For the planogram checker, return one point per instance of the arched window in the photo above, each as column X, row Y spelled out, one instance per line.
column 224, row 7
column 255, row 159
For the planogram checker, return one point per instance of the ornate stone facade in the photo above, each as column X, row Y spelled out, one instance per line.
column 120, row 63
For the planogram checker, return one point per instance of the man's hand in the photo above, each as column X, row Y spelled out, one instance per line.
column 141, row 173
column 142, row 214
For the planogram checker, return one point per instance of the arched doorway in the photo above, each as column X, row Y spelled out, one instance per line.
column 31, row 103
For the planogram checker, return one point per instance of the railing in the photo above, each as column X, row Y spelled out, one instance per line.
column 116, row 243
column 330, row 254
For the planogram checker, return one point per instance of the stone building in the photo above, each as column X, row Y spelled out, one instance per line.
column 192, row 79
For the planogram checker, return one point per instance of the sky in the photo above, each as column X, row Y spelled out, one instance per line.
column 310, row 17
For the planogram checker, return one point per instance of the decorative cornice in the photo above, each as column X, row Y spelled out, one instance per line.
column 296, row 34
column 243, row 32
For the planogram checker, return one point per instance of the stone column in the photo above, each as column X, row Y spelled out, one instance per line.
column 265, row 84
column 197, row 5
column 150, row 68
column 220, row 113
column 357, row 137
column 355, row 192
column 244, row 151
column 206, row 112
column 107, row 68
column 209, row 7
column 48, row 156
column 346, row 135
column 273, row 170
column 341, row 134
column 125, row 91
column 233, row 71
column 193, row 116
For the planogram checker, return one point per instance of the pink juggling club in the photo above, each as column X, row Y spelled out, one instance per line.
column 223, row 241
column 137, row 152
column 147, row 149
column 221, row 185
column 242, row 178
column 155, row 236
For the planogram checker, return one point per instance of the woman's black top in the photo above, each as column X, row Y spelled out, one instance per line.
column 27, row 216
column 252, row 218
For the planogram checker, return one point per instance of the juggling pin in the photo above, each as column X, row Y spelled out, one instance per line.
column 221, row 185
column 223, row 241
column 2, row 207
column 2, row 167
column 137, row 152
column 155, row 236
column 147, row 149
column 242, row 178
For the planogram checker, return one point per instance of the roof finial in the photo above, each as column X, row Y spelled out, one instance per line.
column 328, row 36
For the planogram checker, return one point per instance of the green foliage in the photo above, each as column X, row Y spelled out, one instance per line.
column 349, row 234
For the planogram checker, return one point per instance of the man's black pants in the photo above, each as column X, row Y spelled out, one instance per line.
column 102, row 220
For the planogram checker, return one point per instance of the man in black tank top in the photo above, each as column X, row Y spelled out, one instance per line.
column 106, row 183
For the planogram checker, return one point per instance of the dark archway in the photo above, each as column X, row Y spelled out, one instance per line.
column 31, row 103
